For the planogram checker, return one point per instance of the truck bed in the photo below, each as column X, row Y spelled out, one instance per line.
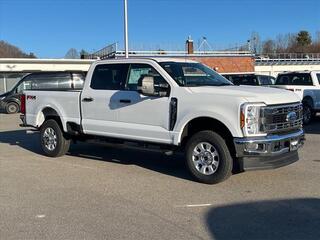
column 65, row 102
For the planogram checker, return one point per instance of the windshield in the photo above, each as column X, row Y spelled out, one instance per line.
column 194, row 74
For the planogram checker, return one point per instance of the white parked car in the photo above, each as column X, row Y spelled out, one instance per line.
column 172, row 104
column 306, row 85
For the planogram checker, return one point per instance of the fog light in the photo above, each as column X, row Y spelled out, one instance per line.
column 252, row 146
column 255, row 147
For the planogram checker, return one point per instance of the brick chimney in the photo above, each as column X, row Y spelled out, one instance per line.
column 189, row 45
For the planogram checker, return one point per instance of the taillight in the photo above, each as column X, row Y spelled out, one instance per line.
column 23, row 104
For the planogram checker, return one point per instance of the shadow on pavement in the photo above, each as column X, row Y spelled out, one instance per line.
column 158, row 162
column 280, row 219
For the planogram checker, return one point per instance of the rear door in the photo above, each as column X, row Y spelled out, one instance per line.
column 99, row 108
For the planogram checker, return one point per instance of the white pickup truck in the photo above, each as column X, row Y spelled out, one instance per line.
column 172, row 105
column 306, row 85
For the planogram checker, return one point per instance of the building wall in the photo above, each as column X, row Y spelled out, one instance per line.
column 228, row 64
column 274, row 70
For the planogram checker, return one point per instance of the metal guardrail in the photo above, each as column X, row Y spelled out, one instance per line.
column 288, row 59
column 184, row 53
column 111, row 51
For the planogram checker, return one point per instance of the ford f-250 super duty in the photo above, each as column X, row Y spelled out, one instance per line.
column 172, row 104
column 306, row 85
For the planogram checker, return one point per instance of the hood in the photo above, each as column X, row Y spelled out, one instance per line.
column 267, row 95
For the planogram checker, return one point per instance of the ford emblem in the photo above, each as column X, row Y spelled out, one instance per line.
column 291, row 117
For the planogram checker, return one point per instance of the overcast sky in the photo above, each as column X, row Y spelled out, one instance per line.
column 49, row 28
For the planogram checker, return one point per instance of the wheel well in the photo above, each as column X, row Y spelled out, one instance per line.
column 308, row 100
column 207, row 123
column 50, row 113
column 12, row 101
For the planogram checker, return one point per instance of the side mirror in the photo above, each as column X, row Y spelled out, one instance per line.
column 146, row 86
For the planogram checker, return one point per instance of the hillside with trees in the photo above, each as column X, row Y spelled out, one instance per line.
column 8, row 50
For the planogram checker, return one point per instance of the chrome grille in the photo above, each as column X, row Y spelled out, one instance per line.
column 277, row 118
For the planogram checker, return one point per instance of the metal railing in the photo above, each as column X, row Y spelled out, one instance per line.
column 111, row 51
column 288, row 58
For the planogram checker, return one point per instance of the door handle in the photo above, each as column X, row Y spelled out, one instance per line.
column 88, row 99
column 125, row 100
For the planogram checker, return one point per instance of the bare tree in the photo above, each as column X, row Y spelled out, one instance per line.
column 72, row 54
column 268, row 47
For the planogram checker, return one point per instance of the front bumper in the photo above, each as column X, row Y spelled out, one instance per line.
column 268, row 152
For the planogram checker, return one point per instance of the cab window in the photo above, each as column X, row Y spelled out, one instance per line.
column 138, row 71
column 109, row 77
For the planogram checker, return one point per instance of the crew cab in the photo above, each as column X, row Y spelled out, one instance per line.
column 172, row 105
column 58, row 80
column 306, row 85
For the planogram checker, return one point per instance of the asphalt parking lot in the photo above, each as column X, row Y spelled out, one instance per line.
column 99, row 192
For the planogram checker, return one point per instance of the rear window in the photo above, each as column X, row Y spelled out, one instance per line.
column 294, row 79
column 244, row 80
column 265, row 80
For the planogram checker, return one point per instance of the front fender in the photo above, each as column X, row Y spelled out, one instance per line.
column 231, row 125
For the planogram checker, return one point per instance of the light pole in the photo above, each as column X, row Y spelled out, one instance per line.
column 126, row 47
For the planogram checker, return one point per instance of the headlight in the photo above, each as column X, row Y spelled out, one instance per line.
column 1, row 98
column 250, row 119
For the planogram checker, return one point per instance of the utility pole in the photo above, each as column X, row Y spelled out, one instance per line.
column 126, row 45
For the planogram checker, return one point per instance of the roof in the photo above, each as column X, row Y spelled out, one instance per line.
column 293, row 72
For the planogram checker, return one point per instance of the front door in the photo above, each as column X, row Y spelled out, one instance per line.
column 144, row 117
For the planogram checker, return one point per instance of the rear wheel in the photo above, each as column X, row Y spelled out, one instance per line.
column 53, row 141
column 12, row 107
column 208, row 157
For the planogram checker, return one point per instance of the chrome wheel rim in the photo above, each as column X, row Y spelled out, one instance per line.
column 49, row 139
column 12, row 108
column 205, row 158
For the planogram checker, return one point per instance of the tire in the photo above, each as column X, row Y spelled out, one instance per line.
column 214, row 150
column 53, row 141
column 308, row 113
column 12, row 108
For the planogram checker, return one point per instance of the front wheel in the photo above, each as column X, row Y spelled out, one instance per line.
column 208, row 157
column 307, row 114
column 53, row 141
